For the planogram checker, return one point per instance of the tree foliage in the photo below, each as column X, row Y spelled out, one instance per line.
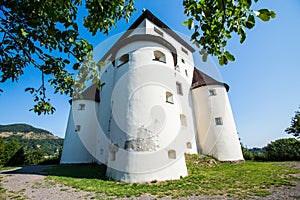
column 45, row 35
column 294, row 129
column 37, row 33
column 213, row 22
column 286, row 149
column 24, row 128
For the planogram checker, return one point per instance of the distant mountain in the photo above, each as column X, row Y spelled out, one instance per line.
column 31, row 138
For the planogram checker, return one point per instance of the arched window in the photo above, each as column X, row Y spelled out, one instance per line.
column 172, row 154
column 169, row 97
column 123, row 59
column 159, row 56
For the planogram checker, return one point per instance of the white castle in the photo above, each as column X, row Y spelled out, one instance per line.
column 154, row 106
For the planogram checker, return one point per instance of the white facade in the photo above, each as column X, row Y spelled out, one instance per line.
column 150, row 110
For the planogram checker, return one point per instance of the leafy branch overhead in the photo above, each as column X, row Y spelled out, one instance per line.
column 45, row 35
column 213, row 22
column 39, row 33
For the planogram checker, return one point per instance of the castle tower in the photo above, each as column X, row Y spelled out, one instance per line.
column 152, row 108
column 216, row 131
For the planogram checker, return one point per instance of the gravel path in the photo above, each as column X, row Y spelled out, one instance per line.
column 29, row 183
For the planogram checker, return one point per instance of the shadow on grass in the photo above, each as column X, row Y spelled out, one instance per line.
column 89, row 171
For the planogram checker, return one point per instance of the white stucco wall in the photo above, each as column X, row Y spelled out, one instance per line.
column 219, row 141
column 75, row 144
column 140, row 111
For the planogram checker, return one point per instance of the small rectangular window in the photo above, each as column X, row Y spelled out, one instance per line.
column 177, row 68
column 77, row 129
column 183, row 120
column 172, row 154
column 81, row 106
column 184, row 51
column 186, row 73
column 159, row 32
column 169, row 97
column 212, row 92
column 182, row 60
column 179, row 88
column 219, row 121
column 123, row 59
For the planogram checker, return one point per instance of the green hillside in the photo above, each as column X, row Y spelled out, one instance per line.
column 31, row 138
column 25, row 128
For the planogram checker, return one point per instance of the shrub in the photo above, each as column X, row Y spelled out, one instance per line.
column 287, row 149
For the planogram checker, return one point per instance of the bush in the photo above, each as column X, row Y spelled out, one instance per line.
column 287, row 149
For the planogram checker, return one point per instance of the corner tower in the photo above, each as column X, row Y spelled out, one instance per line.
column 216, row 130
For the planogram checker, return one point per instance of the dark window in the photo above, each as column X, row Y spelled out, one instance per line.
column 169, row 97
column 123, row 59
column 212, row 92
column 159, row 56
column 219, row 121
column 179, row 88
column 81, row 106
column 77, row 129
column 186, row 73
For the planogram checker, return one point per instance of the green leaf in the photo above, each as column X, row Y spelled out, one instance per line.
column 265, row 14
column 24, row 33
column 189, row 23
column 250, row 22
column 264, row 17
column 229, row 56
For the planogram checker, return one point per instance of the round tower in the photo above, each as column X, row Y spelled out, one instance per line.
column 216, row 131
column 79, row 144
column 150, row 113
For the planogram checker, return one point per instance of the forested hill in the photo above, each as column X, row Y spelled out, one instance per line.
column 31, row 138
column 26, row 131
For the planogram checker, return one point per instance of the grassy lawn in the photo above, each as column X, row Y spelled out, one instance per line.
column 231, row 180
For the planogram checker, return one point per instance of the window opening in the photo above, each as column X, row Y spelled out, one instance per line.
column 123, row 59
column 219, row 121
column 212, row 92
column 81, row 106
column 179, row 88
column 77, row 128
column 169, row 97
column 159, row 56
column 172, row 154
column 183, row 120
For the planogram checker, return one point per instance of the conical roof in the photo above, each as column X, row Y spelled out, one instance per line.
column 201, row 79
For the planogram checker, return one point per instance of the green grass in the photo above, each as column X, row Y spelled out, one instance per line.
column 243, row 180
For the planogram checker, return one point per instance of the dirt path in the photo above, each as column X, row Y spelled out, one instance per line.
column 29, row 183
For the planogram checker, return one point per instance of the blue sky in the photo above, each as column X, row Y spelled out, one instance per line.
column 264, row 79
